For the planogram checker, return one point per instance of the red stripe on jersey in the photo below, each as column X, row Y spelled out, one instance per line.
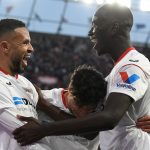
column 6, row 73
column 125, row 53
column 16, row 76
column 63, row 98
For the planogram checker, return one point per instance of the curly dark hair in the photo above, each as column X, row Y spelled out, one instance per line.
column 88, row 86
column 7, row 25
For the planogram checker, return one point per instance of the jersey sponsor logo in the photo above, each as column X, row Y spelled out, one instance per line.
column 8, row 83
column 21, row 101
column 129, row 80
column 126, row 86
column 131, row 60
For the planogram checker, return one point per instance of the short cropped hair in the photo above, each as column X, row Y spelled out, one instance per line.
column 88, row 86
column 7, row 25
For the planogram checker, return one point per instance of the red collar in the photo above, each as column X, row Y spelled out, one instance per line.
column 63, row 98
column 125, row 53
column 6, row 73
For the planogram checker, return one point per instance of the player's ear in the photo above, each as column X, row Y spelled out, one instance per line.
column 115, row 28
column 4, row 47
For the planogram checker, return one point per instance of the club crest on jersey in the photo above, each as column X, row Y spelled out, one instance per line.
column 8, row 83
column 128, row 80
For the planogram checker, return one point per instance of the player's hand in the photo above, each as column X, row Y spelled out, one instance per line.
column 31, row 132
column 144, row 123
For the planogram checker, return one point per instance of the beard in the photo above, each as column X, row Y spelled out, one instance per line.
column 16, row 67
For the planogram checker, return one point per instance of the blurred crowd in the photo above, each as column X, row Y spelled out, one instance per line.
column 56, row 56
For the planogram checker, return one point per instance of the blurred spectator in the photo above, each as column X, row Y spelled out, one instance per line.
column 57, row 56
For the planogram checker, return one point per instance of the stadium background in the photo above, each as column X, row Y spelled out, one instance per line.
column 59, row 31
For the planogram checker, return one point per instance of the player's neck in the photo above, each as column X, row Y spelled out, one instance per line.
column 119, row 50
column 6, row 70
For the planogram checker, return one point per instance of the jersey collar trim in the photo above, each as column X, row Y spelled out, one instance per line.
column 6, row 73
column 124, row 54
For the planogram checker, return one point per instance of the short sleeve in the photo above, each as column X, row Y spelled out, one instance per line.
column 54, row 96
column 130, row 80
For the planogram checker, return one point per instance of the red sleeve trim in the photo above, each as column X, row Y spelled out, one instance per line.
column 63, row 97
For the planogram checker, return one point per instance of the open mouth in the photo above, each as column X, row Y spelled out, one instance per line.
column 93, row 40
column 95, row 45
column 25, row 60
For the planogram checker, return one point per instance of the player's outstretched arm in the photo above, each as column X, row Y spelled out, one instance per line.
column 105, row 120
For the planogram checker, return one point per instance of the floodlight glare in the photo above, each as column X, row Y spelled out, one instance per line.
column 99, row 2
column 110, row 1
column 125, row 2
column 144, row 5
column 87, row 1
column 120, row 2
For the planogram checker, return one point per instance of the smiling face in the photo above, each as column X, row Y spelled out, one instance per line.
column 20, row 50
column 110, row 29
column 100, row 34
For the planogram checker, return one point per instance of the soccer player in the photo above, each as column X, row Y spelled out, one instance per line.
column 17, row 94
column 86, row 90
column 128, row 89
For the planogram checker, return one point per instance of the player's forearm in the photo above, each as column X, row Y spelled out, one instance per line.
column 89, row 136
column 55, row 112
column 90, row 123
column 107, row 119
column 34, row 131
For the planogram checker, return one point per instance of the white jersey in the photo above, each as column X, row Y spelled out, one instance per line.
column 56, row 97
column 130, row 76
column 17, row 97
